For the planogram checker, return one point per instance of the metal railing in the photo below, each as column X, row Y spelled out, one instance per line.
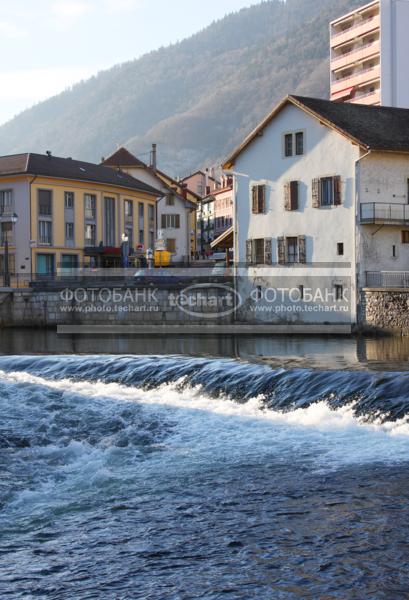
column 387, row 279
column 354, row 26
column 384, row 212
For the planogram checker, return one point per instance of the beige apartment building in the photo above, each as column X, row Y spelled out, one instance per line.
column 369, row 53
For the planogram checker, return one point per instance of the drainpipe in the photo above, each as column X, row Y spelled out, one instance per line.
column 357, row 257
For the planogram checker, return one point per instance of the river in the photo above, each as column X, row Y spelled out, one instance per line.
column 234, row 468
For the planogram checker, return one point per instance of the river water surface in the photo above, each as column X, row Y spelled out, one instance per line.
column 264, row 468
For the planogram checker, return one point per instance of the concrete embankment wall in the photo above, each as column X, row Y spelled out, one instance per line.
column 385, row 310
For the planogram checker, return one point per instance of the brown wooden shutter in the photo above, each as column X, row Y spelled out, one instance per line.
column 177, row 221
column 267, row 251
column 249, row 252
column 337, row 190
column 294, row 195
column 287, row 195
column 302, row 250
column 261, row 198
column 315, row 193
column 254, row 199
column 163, row 221
column 281, row 250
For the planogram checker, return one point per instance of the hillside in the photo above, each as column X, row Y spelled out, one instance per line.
column 195, row 99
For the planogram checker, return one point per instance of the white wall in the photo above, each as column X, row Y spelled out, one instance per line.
column 383, row 178
column 394, row 53
column 326, row 153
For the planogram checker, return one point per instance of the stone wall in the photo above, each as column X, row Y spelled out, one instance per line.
column 115, row 305
column 385, row 310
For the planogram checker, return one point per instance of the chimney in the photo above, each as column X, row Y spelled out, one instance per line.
column 48, row 153
column 153, row 157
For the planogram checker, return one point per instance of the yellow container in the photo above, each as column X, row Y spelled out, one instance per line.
column 162, row 258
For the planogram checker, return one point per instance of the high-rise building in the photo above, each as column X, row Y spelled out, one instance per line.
column 369, row 55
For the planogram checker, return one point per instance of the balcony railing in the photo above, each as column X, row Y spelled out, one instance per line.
column 354, row 26
column 384, row 212
column 387, row 279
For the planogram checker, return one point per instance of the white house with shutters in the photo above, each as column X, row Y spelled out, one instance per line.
column 321, row 209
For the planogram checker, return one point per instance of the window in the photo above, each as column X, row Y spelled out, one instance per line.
column 294, row 144
column 6, row 233
column 129, row 235
column 340, row 249
column 6, row 201
column 292, row 249
column 90, row 235
column 109, row 215
column 90, row 201
column 170, row 199
column 326, row 191
column 151, row 212
column 128, row 207
column 171, row 245
column 45, row 202
column 69, row 231
column 45, row 264
column 141, row 237
column 69, row 200
column 258, row 199
column 11, row 264
column 45, row 232
column 259, row 251
column 405, row 237
column 151, row 238
column 288, row 144
column 301, row 290
column 299, row 143
column 394, row 253
column 291, row 189
column 170, row 222
column 339, row 292
column 141, row 210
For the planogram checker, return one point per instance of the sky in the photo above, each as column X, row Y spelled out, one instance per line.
column 47, row 45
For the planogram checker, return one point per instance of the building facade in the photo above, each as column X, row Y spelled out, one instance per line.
column 58, row 214
column 369, row 49
column 174, row 209
column 202, row 183
column 321, row 195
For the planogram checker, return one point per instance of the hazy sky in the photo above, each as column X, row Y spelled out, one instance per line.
column 47, row 45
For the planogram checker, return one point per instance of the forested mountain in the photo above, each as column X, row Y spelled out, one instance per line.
column 196, row 99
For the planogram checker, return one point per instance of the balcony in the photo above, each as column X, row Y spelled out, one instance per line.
column 355, row 31
column 384, row 213
column 369, row 98
column 358, row 54
column 387, row 279
column 356, row 78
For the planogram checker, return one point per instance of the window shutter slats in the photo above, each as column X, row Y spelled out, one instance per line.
column 287, row 195
column 249, row 252
column 337, row 190
column 262, row 199
column 315, row 193
column 294, row 195
column 302, row 250
column 267, row 251
column 254, row 200
column 281, row 250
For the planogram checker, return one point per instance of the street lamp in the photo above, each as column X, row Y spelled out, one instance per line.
column 9, row 219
